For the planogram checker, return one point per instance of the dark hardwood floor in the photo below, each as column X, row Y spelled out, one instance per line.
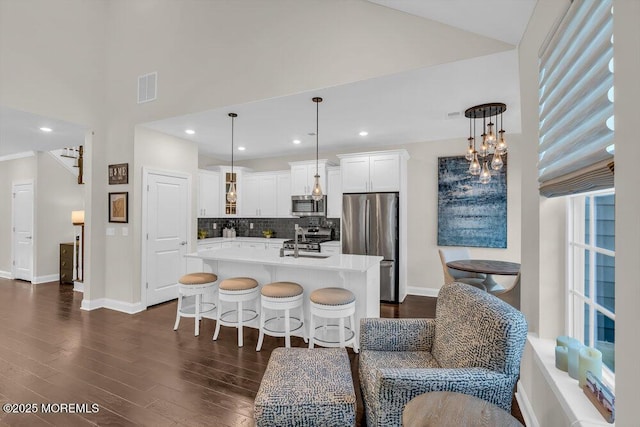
column 134, row 367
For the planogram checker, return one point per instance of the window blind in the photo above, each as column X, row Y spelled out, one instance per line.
column 576, row 102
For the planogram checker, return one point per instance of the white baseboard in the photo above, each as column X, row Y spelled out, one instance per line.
column 78, row 286
column 425, row 292
column 6, row 274
column 524, row 403
column 111, row 304
column 46, row 279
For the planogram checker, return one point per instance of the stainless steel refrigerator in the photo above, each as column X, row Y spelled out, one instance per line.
column 370, row 227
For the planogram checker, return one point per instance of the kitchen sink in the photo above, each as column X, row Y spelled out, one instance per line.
column 310, row 256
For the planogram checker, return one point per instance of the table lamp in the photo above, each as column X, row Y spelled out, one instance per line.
column 77, row 218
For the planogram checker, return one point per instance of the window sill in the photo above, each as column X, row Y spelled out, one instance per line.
column 574, row 402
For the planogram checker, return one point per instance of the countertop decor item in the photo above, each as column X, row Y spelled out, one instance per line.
column 492, row 143
column 268, row 233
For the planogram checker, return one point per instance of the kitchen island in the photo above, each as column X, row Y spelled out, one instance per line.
column 358, row 273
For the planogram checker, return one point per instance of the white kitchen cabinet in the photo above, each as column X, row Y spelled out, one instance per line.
column 283, row 194
column 208, row 194
column 205, row 246
column 231, row 244
column 370, row 172
column 260, row 195
column 274, row 245
column 256, row 245
column 334, row 193
column 303, row 176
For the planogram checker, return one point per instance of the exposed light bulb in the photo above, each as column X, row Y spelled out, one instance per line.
column 491, row 137
column 501, row 146
column 232, row 196
column 496, row 162
column 469, row 154
column 474, row 167
column 316, row 194
column 485, row 175
column 484, row 148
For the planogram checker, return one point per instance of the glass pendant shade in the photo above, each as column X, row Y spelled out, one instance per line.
column 485, row 175
column 491, row 136
column 484, row 148
column 474, row 167
column 496, row 162
column 316, row 193
column 469, row 154
column 232, row 195
column 501, row 146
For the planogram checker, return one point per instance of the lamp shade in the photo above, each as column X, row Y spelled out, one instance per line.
column 77, row 217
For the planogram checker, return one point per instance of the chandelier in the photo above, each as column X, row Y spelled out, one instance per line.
column 493, row 145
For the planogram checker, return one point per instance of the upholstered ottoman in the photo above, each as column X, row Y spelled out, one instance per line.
column 306, row 387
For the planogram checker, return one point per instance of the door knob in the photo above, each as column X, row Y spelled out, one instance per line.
column 183, row 243
column 29, row 237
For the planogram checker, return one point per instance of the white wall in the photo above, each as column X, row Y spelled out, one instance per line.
column 627, row 69
column 424, row 275
column 56, row 194
column 154, row 150
column 10, row 171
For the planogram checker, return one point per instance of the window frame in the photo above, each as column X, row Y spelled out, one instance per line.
column 575, row 282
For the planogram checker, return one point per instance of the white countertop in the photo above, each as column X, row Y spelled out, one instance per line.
column 240, row 239
column 255, row 239
column 336, row 262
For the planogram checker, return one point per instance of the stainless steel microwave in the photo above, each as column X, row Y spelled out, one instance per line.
column 306, row 206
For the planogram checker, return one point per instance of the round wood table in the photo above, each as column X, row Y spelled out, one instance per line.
column 448, row 409
column 487, row 267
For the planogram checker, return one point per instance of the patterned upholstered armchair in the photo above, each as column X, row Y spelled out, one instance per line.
column 473, row 346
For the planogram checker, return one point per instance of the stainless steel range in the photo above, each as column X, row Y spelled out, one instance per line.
column 310, row 240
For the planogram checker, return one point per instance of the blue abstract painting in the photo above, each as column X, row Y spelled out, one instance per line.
column 470, row 213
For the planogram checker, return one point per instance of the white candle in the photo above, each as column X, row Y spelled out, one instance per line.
column 589, row 359
column 562, row 358
column 573, row 348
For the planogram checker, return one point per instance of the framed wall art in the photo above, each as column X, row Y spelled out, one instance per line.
column 119, row 174
column 470, row 213
column 119, row 207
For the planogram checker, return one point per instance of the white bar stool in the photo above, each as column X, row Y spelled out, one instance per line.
column 237, row 290
column 333, row 303
column 194, row 284
column 281, row 296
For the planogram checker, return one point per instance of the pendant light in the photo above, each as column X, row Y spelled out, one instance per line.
column 316, row 193
column 232, row 195
column 493, row 143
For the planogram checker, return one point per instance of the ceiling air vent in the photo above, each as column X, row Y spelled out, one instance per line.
column 147, row 87
column 453, row 115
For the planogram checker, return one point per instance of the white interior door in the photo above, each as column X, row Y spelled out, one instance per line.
column 167, row 225
column 23, row 231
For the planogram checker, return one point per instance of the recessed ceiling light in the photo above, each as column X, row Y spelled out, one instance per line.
column 45, row 129
column 241, row 148
column 363, row 133
column 296, row 141
column 190, row 131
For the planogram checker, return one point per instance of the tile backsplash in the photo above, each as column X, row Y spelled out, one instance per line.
column 283, row 227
